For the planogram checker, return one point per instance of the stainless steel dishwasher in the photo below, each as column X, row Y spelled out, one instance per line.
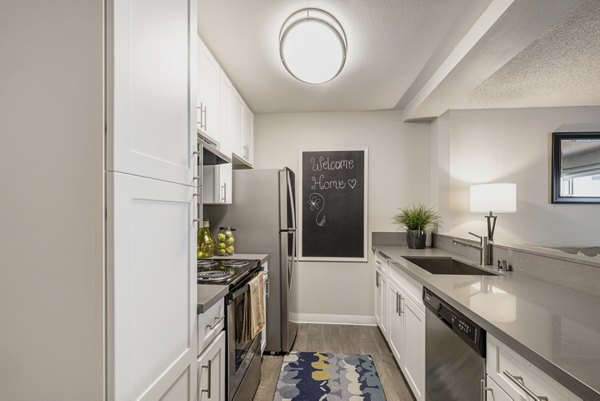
column 454, row 353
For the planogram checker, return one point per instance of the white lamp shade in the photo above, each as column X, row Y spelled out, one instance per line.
column 498, row 198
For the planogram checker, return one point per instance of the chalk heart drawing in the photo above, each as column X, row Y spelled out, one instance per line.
column 352, row 182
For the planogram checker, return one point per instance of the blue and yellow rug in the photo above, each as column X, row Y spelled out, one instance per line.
column 325, row 376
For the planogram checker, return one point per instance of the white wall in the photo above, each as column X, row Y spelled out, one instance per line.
column 510, row 145
column 399, row 174
column 51, row 207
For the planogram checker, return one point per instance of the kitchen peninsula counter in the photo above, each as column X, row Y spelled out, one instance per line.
column 554, row 327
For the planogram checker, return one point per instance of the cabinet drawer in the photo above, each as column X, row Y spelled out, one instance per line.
column 210, row 324
column 515, row 375
column 409, row 285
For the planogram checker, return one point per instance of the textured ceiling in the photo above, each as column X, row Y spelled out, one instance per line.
column 390, row 43
column 405, row 54
column 562, row 68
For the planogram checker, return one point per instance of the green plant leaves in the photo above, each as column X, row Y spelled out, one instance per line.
column 417, row 217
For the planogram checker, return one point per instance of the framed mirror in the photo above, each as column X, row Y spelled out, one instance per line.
column 576, row 167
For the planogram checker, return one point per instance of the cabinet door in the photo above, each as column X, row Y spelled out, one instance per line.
column 151, row 289
column 224, row 180
column 396, row 335
column 209, row 83
column 413, row 362
column 385, row 315
column 151, row 110
column 211, row 371
column 237, row 132
column 495, row 393
column 378, row 303
column 247, row 130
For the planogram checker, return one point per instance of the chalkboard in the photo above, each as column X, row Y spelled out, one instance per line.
column 333, row 205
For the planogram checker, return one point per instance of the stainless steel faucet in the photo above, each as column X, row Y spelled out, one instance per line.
column 484, row 248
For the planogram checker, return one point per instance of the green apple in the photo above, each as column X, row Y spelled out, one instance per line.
column 222, row 245
column 230, row 249
column 222, row 251
column 228, row 234
column 230, row 240
column 221, row 236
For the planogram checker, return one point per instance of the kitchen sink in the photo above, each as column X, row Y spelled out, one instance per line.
column 442, row 265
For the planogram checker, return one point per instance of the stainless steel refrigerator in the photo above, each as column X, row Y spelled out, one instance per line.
column 263, row 213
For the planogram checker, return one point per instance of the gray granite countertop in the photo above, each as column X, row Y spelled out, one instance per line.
column 209, row 294
column 554, row 327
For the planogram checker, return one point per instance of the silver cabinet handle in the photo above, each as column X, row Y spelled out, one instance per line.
column 209, row 388
column 224, row 186
column 518, row 380
column 397, row 303
column 377, row 279
column 218, row 319
column 205, row 122
column 400, row 307
column 267, row 289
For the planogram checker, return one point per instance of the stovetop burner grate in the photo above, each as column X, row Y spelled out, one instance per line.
column 207, row 264
column 213, row 275
column 235, row 263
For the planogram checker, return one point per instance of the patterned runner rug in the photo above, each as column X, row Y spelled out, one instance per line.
column 320, row 376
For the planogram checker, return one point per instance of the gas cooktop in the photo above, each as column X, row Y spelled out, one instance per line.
column 224, row 271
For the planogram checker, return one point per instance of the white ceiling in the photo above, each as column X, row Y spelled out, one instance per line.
column 423, row 56
column 560, row 69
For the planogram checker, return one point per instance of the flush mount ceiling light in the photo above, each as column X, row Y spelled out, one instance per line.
column 312, row 46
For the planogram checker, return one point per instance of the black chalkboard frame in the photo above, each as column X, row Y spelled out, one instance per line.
column 365, row 195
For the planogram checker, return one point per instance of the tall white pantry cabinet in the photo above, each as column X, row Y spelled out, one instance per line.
column 98, row 123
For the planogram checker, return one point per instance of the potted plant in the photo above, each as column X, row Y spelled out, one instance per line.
column 416, row 219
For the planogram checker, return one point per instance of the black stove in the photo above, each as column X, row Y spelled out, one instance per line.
column 225, row 271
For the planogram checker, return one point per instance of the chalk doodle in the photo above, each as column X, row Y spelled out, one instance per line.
column 317, row 202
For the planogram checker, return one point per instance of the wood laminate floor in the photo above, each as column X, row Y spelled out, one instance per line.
column 343, row 339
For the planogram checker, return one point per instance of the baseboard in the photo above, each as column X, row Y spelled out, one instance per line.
column 333, row 319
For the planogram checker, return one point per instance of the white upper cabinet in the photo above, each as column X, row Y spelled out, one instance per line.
column 247, row 134
column 242, row 131
column 237, row 126
column 151, row 111
column 209, row 104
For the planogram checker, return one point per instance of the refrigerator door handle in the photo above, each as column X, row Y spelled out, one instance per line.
column 291, row 200
column 292, row 262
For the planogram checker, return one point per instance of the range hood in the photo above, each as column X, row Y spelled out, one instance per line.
column 211, row 156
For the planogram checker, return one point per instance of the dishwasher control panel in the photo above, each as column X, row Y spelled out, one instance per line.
column 461, row 325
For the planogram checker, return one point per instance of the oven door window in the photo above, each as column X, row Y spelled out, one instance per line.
column 242, row 335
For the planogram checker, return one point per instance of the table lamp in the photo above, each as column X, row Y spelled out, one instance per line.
column 493, row 198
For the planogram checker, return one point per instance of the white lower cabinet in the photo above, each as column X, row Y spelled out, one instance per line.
column 382, row 303
column 413, row 364
column 400, row 314
column 396, row 329
column 519, row 378
column 381, row 293
column 211, row 371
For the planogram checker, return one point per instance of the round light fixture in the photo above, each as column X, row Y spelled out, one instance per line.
column 312, row 46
